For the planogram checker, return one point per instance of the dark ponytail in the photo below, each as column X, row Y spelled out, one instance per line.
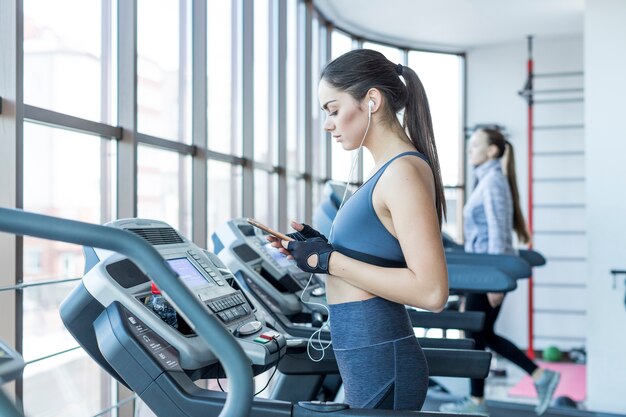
column 419, row 125
column 357, row 71
column 505, row 153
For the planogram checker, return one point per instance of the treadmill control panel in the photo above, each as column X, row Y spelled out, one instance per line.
column 159, row 349
column 173, row 342
column 274, row 281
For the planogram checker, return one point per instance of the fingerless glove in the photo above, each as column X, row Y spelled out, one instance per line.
column 307, row 232
column 302, row 250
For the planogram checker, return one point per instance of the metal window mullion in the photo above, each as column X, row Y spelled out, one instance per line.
column 218, row 156
column 77, row 124
column 170, row 145
column 236, row 104
column 182, row 112
column 280, row 41
column 264, row 166
column 22, row 285
column 127, row 109
column 105, row 101
column 271, row 105
column 462, row 162
column 307, row 109
column 199, row 192
column 127, row 119
column 328, row 54
column 52, row 355
column 247, row 95
column 404, row 56
column 300, row 87
column 11, row 161
column 320, row 136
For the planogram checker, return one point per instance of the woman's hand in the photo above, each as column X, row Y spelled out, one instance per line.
column 311, row 255
column 302, row 232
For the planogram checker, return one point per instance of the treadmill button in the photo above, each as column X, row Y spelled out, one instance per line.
column 261, row 340
column 249, row 328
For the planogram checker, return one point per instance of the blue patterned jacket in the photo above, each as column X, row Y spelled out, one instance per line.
column 488, row 213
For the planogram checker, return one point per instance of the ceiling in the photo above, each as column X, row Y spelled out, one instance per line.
column 454, row 25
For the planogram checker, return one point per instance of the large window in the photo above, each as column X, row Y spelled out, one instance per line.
column 163, row 74
column 341, row 160
column 320, row 142
column 124, row 127
column 68, row 69
column 164, row 187
column 66, row 174
column 295, row 131
column 442, row 76
column 221, row 80
column 340, row 44
column 395, row 56
column 67, row 61
column 391, row 53
column 264, row 145
column 224, row 195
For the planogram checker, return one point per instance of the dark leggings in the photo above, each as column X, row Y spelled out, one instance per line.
column 380, row 361
column 488, row 338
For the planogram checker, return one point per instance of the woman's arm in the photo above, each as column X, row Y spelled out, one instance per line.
column 407, row 191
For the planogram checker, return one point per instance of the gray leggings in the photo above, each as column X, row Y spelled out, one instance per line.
column 381, row 363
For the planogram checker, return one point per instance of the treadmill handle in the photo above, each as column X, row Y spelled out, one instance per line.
column 222, row 344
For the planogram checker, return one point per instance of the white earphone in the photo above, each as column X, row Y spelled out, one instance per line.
column 316, row 337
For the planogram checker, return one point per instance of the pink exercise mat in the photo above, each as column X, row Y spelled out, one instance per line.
column 573, row 382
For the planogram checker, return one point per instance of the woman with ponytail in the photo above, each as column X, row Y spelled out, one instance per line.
column 384, row 250
column 491, row 213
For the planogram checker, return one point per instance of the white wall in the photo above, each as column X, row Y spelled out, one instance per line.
column 605, row 80
column 495, row 74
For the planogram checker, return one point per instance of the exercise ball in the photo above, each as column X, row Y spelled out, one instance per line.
column 552, row 354
column 565, row 402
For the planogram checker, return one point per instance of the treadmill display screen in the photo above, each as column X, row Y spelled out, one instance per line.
column 280, row 259
column 188, row 273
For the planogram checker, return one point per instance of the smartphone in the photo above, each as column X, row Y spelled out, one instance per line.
column 268, row 230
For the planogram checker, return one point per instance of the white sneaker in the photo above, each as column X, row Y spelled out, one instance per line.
column 545, row 386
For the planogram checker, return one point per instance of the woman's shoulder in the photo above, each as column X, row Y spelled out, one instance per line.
column 494, row 177
column 413, row 163
column 407, row 171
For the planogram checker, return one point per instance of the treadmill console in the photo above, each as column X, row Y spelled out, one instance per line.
column 114, row 279
column 275, row 281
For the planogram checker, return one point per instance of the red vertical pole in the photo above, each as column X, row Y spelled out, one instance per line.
column 531, row 349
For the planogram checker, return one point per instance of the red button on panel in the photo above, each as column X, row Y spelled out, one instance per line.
column 267, row 336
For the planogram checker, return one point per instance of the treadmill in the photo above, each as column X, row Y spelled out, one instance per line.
column 160, row 363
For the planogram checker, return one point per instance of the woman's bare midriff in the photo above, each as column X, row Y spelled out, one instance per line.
column 339, row 291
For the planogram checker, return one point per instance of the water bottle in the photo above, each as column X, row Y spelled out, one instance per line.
column 161, row 307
